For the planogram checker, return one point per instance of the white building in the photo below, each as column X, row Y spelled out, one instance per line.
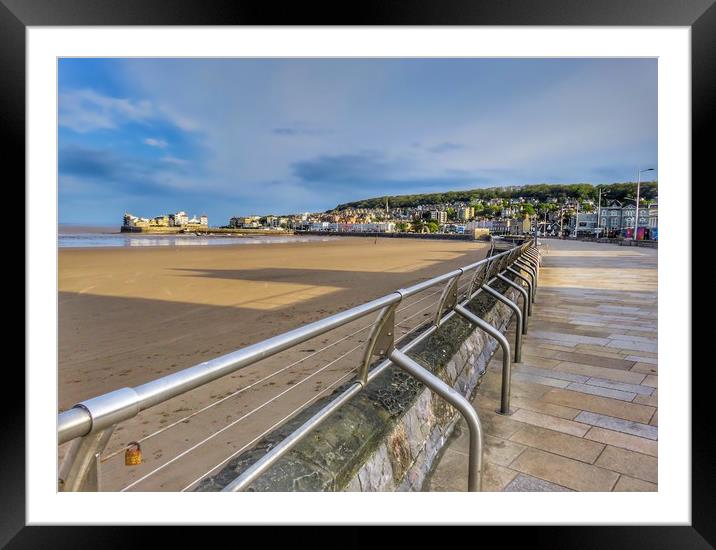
column 478, row 224
column 179, row 219
column 439, row 216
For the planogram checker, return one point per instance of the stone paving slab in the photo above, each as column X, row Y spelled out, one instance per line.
column 629, row 484
column 623, row 440
column 537, row 379
column 564, row 471
column 629, row 463
column 604, row 392
column 584, row 398
column 522, row 368
column 525, row 483
column 618, row 424
column 562, row 444
column 595, row 360
column 633, row 388
column 551, row 422
column 627, row 377
column 600, row 405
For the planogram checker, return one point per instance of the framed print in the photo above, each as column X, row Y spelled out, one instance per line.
column 391, row 269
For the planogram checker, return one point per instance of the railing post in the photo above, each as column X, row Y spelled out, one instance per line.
column 506, row 362
column 531, row 272
column 536, row 254
column 457, row 400
column 526, row 304
column 531, row 260
column 519, row 328
column 525, row 279
column 528, row 260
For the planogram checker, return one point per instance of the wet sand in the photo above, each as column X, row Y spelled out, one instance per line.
column 127, row 316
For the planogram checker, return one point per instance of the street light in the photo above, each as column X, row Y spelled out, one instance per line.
column 576, row 222
column 636, row 212
column 599, row 212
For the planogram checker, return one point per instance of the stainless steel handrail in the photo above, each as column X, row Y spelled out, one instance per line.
column 105, row 411
column 248, row 476
column 260, row 466
column 100, row 412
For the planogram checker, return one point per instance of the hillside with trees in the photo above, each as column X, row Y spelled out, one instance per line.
column 541, row 192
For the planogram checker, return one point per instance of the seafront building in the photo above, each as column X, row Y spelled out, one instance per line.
column 244, row 222
column 439, row 216
column 178, row 219
column 500, row 216
column 616, row 219
column 467, row 213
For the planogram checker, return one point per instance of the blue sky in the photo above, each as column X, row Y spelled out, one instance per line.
column 232, row 137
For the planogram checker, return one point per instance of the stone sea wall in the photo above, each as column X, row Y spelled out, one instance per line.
column 387, row 437
column 396, row 235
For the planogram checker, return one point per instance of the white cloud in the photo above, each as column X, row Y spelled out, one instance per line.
column 173, row 160
column 86, row 110
column 153, row 142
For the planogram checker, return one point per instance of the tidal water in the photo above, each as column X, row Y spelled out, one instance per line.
column 101, row 237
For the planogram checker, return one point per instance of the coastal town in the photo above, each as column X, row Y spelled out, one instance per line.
column 582, row 217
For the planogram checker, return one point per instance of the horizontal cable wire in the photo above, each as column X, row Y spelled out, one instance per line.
column 205, row 440
column 268, row 430
column 120, row 450
column 213, row 435
column 295, row 410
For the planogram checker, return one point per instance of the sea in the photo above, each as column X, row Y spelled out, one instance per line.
column 98, row 236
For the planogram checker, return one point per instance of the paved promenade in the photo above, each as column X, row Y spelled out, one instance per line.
column 584, row 397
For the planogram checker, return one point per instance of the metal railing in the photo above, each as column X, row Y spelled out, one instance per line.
column 89, row 424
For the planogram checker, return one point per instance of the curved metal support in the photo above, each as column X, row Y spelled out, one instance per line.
column 506, row 363
column 250, row 475
column 531, row 260
column 448, row 298
column 531, row 272
column 519, row 329
column 380, row 341
column 457, row 400
column 536, row 255
column 476, row 280
column 529, row 284
column 526, row 304
column 80, row 468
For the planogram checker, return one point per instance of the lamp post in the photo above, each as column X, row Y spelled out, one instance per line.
column 636, row 212
column 576, row 222
column 599, row 213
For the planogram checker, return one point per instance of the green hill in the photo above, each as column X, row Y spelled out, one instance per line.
column 541, row 192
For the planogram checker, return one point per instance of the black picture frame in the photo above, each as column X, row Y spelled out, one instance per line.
column 699, row 15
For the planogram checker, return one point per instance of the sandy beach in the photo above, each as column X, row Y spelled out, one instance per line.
column 127, row 316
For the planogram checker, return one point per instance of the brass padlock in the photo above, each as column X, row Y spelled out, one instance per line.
column 133, row 454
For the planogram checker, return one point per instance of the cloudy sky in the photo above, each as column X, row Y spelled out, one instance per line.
column 242, row 136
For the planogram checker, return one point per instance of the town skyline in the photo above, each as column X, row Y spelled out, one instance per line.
column 519, row 210
column 230, row 137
